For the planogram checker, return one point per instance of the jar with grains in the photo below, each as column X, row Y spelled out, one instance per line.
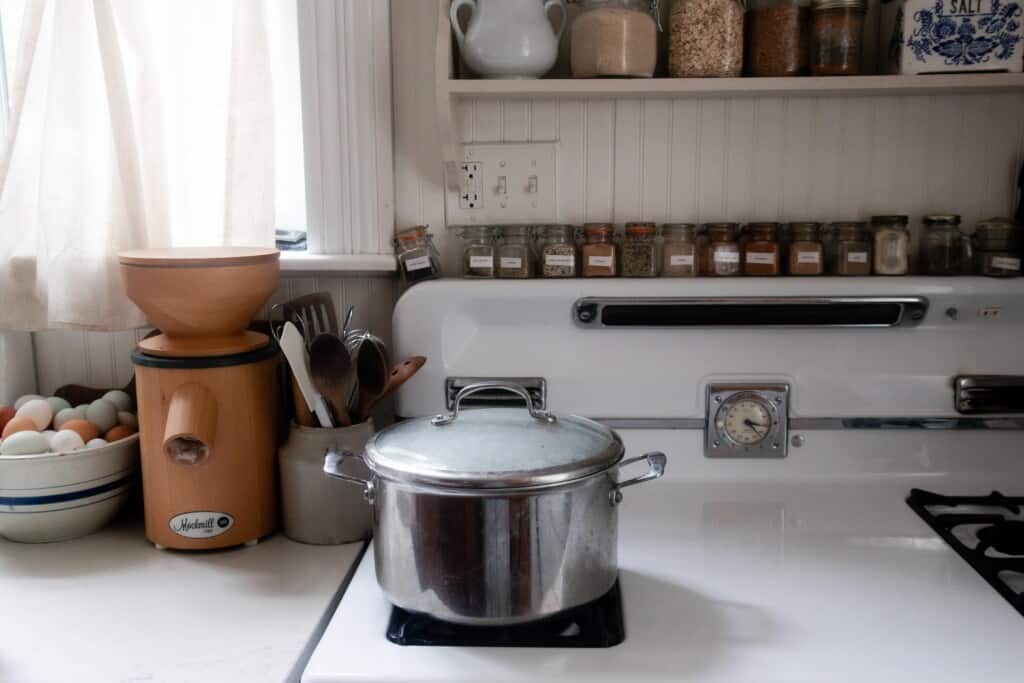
column 515, row 253
column 837, row 37
column 806, row 252
column 997, row 247
column 892, row 244
column 777, row 34
column 761, row 252
column 600, row 254
column 853, row 250
column 614, row 38
column 679, row 257
column 640, row 250
column 558, row 255
column 705, row 38
column 945, row 250
column 417, row 256
column 724, row 249
column 479, row 251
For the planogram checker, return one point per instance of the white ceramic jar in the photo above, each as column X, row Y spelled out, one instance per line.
column 509, row 38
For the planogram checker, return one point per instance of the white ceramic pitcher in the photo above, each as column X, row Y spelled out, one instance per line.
column 509, row 38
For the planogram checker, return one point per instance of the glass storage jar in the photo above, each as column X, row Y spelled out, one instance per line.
column 515, row 253
column 614, row 38
column 853, row 250
column 703, row 251
column 478, row 251
column 558, row 255
column 837, row 37
column 761, row 252
column 945, row 250
column 724, row 250
column 892, row 244
column 777, row 33
column 418, row 258
column 600, row 254
column 806, row 252
column 679, row 253
column 640, row 250
column 997, row 248
column 705, row 38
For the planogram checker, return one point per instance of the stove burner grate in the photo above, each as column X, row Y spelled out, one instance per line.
column 1002, row 535
column 597, row 624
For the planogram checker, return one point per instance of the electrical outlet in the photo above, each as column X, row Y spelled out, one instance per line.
column 989, row 312
column 470, row 197
column 513, row 183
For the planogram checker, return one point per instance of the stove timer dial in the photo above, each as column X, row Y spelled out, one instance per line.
column 747, row 421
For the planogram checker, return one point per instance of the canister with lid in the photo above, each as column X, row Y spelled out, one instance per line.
column 515, row 253
column 723, row 250
column 615, row 38
column 837, row 37
column 599, row 253
column 679, row 251
column 806, row 252
column 640, row 250
column 945, row 250
column 558, row 254
column 761, row 250
column 997, row 248
column 892, row 244
column 853, row 250
column 479, row 251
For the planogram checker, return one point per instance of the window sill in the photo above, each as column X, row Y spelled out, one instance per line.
column 303, row 262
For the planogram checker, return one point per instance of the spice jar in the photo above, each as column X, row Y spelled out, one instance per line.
column 837, row 37
column 997, row 248
column 515, row 253
column 418, row 258
column 703, row 251
column 945, row 250
column 705, row 38
column 829, row 236
column 723, row 249
column 640, row 250
column 806, row 252
column 761, row 252
column 892, row 244
column 614, row 38
column 558, row 257
column 777, row 37
column 479, row 251
column 853, row 250
column 679, row 257
column 600, row 255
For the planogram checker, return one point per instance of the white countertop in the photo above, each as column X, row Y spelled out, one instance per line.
column 109, row 607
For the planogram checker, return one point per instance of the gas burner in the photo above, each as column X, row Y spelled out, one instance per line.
column 1006, row 537
column 597, row 624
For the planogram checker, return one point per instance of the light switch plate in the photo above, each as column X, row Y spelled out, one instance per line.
column 517, row 184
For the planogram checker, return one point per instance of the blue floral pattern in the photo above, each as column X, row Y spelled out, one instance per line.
column 967, row 40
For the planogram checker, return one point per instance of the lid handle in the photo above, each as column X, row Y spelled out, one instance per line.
column 471, row 389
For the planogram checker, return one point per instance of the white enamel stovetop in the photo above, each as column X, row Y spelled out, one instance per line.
column 807, row 569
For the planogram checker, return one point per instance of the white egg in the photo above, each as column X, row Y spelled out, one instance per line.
column 25, row 399
column 24, row 443
column 119, row 398
column 96, row 443
column 102, row 413
column 67, row 414
column 127, row 419
column 48, row 434
column 66, row 441
column 57, row 404
column 37, row 410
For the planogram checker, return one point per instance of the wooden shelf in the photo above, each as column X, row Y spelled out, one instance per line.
column 809, row 86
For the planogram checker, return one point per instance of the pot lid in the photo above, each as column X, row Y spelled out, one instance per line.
column 198, row 257
column 493, row 448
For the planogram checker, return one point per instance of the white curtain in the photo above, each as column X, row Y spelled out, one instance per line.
column 134, row 123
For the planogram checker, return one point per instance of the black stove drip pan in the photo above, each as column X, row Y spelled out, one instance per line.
column 1000, row 534
column 597, row 624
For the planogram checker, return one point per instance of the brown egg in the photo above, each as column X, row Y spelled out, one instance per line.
column 85, row 429
column 117, row 433
column 6, row 413
column 19, row 424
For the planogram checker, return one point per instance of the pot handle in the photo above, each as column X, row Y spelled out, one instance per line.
column 517, row 389
column 655, row 469
column 332, row 467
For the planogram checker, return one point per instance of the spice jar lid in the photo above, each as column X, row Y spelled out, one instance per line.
column 598, row 228
column 679, row 228
column 515, row 230
column 804, row 225
column 412, row 234
column 712, row 226
column 894, row 219
column 861, row 5
column 941, row 219
column 641, row 228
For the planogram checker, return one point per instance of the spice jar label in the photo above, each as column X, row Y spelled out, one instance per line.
column 418, row 263
column 559, row 260
column 681, row 259
column 511, row 262
column 602, row 261
column 765, row 259
column 808, row 257
column 857, row 257
column 727, row 257
column 481, row 262
column 1006, row 263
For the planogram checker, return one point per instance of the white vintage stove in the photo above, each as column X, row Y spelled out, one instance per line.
column 798, row 416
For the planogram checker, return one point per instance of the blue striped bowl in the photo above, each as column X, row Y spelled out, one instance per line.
column 51, row 497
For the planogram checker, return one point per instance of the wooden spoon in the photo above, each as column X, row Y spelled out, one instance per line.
column 372, row 372
column 400, row 374
column 331, row 367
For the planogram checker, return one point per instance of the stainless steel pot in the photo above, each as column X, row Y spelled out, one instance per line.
column 495, row 516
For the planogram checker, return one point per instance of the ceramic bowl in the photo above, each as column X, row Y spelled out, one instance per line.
column 53, row 497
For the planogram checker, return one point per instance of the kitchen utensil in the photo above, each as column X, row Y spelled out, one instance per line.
column 207, row 395
column 332, row 373
column 293, row 346
column 372, row 371
column 313, row 314
column 348, row 321
column 495, row 516
column 400, row 374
